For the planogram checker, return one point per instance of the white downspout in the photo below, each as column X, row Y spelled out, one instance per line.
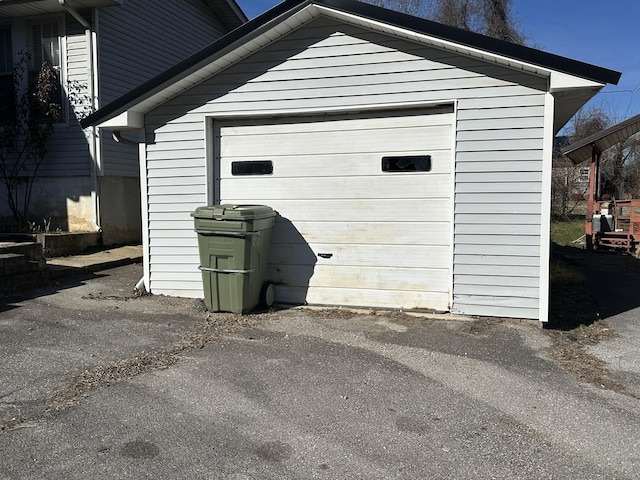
column 545, row 205
column 94, row 149
column 143, row 283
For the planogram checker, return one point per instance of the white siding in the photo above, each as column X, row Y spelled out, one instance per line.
column 138, row 40
column 326, row 65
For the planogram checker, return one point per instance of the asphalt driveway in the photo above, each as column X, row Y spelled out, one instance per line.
column 98, row 383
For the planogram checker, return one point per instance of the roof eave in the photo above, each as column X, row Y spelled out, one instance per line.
column 190, row 71
column 22, row 8
column 229, row 12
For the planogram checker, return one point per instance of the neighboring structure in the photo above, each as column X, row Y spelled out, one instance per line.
column 409, row 162
column 610, row 223
column 569, row 182
column 102, row 49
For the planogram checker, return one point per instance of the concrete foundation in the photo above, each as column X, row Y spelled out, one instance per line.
column 58, row 203
column 120, row 210
column 64, row 204
column 62, row 244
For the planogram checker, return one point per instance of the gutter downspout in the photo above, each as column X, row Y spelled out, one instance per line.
column 142, row 285
column 117, row 136
column 93, row 132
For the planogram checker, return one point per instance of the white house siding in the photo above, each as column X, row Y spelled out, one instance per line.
column 139, row 40
column 326, row 65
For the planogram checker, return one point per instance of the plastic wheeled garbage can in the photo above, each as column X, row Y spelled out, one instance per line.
column 234, row 242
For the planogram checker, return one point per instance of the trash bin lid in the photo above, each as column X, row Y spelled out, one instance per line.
column 233, row 212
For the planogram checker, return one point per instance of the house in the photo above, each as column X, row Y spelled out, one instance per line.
column 569, row 182
column 102, row 49
column 409, row 162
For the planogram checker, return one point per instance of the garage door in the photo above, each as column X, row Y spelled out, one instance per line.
column 364, row 203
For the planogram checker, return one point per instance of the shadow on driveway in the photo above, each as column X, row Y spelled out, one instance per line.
column 49, row 286
column 609, row 286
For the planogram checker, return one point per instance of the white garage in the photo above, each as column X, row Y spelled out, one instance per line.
column 409, row 162
column 370, row 196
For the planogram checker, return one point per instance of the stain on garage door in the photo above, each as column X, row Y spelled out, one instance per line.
column 364, row 201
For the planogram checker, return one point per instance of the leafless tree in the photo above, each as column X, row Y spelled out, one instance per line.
column 417, row 8
column 25, row 128
column 569, row 183
column 499, row 21
column 620, row 169
column 459, row 13
column 588, row 121
column 489, row 17
column 620, row 164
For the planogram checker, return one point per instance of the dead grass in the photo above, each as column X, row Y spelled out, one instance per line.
column 214, row 326
column 574, row 321
column 569, row 349
column 480, row 326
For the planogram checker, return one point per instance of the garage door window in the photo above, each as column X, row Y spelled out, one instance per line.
column 411, row 163
column 262, row 167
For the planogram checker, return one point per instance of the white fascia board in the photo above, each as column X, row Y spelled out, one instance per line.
column 563, row 81
column 129, row 120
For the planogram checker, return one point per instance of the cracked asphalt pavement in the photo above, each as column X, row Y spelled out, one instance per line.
column 98, row 383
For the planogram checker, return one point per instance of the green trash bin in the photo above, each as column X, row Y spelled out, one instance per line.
column 234, row 242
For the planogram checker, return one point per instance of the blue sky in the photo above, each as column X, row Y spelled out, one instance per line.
column 604, row 33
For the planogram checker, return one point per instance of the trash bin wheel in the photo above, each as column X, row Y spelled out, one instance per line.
column 268, row 294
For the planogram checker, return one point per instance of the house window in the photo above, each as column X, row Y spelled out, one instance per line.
column 584, row 174
column 6, row 73
column 44, row 43
column 407, row 163
column 256, row 167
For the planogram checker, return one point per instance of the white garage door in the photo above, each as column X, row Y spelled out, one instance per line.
column 364, row 203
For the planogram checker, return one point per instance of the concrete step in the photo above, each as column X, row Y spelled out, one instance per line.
column 18, row 272
column 31, row 250
column 23, row 266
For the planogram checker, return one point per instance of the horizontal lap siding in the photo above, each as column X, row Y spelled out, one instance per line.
column 173, row 244
column 138, row 40
column 498, row 196
column 68, row 150
column 499, row 128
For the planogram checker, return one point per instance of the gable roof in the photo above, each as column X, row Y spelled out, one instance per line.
column 579, row 80
column 581, row 150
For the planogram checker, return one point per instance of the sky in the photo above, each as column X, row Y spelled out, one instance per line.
column 601, row 32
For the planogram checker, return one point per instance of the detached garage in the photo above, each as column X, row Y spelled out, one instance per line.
column 409, row 162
